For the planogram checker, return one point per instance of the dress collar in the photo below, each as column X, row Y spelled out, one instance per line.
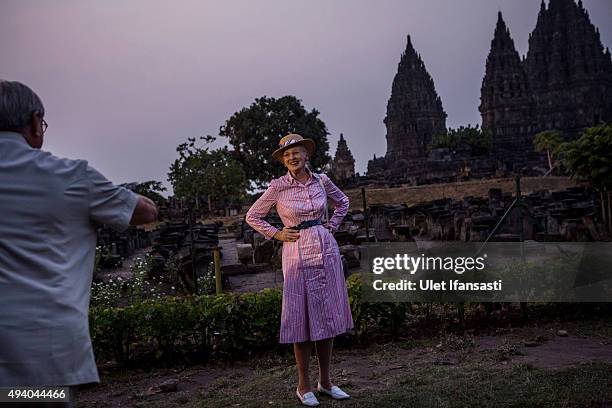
column 291, row 180
column 13, row 136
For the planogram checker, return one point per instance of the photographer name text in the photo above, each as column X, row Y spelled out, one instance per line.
column 431, row 285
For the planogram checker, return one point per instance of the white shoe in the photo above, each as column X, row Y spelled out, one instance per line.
column 335, row 392
column 308, row 399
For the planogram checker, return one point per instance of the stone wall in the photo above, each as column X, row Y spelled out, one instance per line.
column 478, row 188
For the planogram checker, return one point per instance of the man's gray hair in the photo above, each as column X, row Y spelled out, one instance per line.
column 17, row 103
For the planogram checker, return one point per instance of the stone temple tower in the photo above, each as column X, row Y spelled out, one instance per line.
column 505, row 100
column 414, row 110
column 343, row 165
column 570, row 74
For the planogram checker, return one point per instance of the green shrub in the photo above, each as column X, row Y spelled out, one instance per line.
column 382, row 316
column 209, row 326
column 202, row 326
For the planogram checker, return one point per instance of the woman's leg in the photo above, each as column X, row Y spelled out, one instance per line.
column 324, row 354
column 302, row 361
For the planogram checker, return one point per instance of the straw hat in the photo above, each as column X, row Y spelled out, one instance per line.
column 293, row 140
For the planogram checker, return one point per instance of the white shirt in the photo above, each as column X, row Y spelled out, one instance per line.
column 48, row 211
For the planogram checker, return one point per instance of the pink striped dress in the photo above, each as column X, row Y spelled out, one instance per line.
column 315, row 299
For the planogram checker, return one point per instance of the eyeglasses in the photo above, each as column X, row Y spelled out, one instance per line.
column 44, row 125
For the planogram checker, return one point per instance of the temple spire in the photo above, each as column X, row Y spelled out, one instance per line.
column 504, row 94
column 343, row 165
column 567, row 66
column 414, row 110
column 501, row 29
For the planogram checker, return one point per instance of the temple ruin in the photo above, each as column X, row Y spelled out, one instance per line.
column 564, row 83
column 343, row 165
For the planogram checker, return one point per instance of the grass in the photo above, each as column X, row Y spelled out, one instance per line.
column 601, row 328
column 471, row 385
column 412, row 370
column 520, row 386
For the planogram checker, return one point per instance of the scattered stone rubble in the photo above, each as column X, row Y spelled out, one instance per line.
column 568, row 215
column 174, row 238
column 171, row 239
column 117, row 246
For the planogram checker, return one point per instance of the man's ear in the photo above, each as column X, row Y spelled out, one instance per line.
column 36, row 124
column 33, row 132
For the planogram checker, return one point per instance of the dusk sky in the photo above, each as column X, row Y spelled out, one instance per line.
column 124, row 82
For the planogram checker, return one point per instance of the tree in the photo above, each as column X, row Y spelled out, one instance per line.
column 150, row 189
column 199, row 171
column 254, row 133
column 589, row 158
column 548, row 141
column 477, row 139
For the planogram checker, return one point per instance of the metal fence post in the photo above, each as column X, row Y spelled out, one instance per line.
column 217, row 261
column 519, row 209
column 365, row 214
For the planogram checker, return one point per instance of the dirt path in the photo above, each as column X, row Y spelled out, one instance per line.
column 256, row 282
column 379, row 369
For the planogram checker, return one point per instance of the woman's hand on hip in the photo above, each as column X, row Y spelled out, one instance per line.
column 287, row 235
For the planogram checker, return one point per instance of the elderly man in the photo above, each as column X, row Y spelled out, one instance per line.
column 49, row 208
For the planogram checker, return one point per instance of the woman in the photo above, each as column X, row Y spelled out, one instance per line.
column 315, row 300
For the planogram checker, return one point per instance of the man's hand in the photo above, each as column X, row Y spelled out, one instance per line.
column 145, row 211
column 287, row 235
